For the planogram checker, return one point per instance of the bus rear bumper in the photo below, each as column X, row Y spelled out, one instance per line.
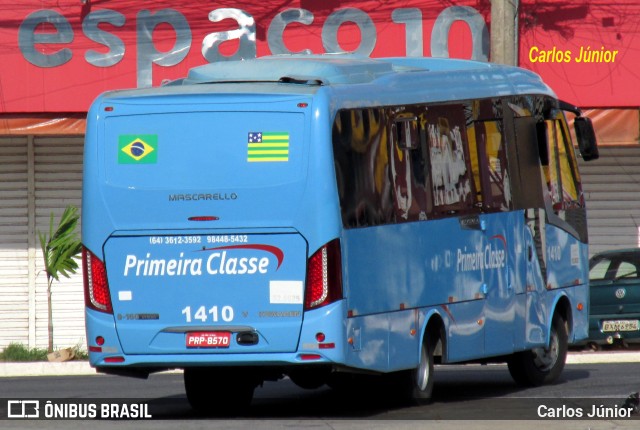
column 321, row 342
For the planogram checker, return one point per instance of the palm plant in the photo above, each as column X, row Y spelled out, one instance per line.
column 60, row 250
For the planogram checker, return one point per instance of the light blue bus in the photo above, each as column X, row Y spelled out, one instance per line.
column 319, row 217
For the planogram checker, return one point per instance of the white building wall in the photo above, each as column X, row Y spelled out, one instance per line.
column 14, row 245
column 38, row 175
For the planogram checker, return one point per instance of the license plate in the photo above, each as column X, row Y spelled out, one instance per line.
column 622, row 325
column 215, row 339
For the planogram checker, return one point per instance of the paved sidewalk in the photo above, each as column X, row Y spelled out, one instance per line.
column 587, row 357
column 44, row 368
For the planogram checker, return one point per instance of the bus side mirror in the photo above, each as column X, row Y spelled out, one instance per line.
column 586, row 138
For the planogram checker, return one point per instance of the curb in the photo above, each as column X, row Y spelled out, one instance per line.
column 592, row 357
column 45, row 368
column 80, row 368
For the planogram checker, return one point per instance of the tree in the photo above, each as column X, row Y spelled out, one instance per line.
column 60, row 249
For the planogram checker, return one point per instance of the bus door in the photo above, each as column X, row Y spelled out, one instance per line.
column 566, row 227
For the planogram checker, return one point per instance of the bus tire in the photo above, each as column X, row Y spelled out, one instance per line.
column 423, row 388
column 219, row 391
column 417, row 384
column 310, row 378
column 542, row 365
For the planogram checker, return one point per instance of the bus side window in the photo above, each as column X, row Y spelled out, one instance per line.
column 407, row 170
column 452, row 182
column 571, row 182
column 494, row 175
column 360, row 151
column 561, row 172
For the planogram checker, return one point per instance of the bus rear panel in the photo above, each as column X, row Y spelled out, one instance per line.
column 200, row 234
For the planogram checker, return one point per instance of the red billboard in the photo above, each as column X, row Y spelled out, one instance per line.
column 57, row 56
column 588, row 52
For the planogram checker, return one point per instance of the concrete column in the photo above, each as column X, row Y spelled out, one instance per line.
column 504, row 31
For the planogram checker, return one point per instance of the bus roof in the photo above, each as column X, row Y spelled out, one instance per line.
column 370, row 81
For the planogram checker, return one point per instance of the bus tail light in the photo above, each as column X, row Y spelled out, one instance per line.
column 324, row 276
column 309, row 357
column 96, row 286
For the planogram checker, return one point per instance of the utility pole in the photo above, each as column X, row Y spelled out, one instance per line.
column 504, row 31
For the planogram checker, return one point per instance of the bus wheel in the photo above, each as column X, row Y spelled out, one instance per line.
column 542, row 365
column 417, row 384
column 310, row 378
column 219, row 391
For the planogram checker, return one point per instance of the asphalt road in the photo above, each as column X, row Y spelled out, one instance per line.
column 484, row 396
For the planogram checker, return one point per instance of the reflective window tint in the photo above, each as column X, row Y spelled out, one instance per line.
column 409, row 163
column 361, row 155
column 408, row 170
column 452, row 183
column 493, row 167
column 561, row 173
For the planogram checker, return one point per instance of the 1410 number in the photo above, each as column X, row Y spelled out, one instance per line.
column 202, row 314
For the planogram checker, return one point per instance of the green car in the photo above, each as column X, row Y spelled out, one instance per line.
column 614, row 279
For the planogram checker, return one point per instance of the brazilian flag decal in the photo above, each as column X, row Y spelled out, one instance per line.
column 137, row 149
column 268, row 146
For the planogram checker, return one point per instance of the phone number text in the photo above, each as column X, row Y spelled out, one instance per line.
column 195, row 240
